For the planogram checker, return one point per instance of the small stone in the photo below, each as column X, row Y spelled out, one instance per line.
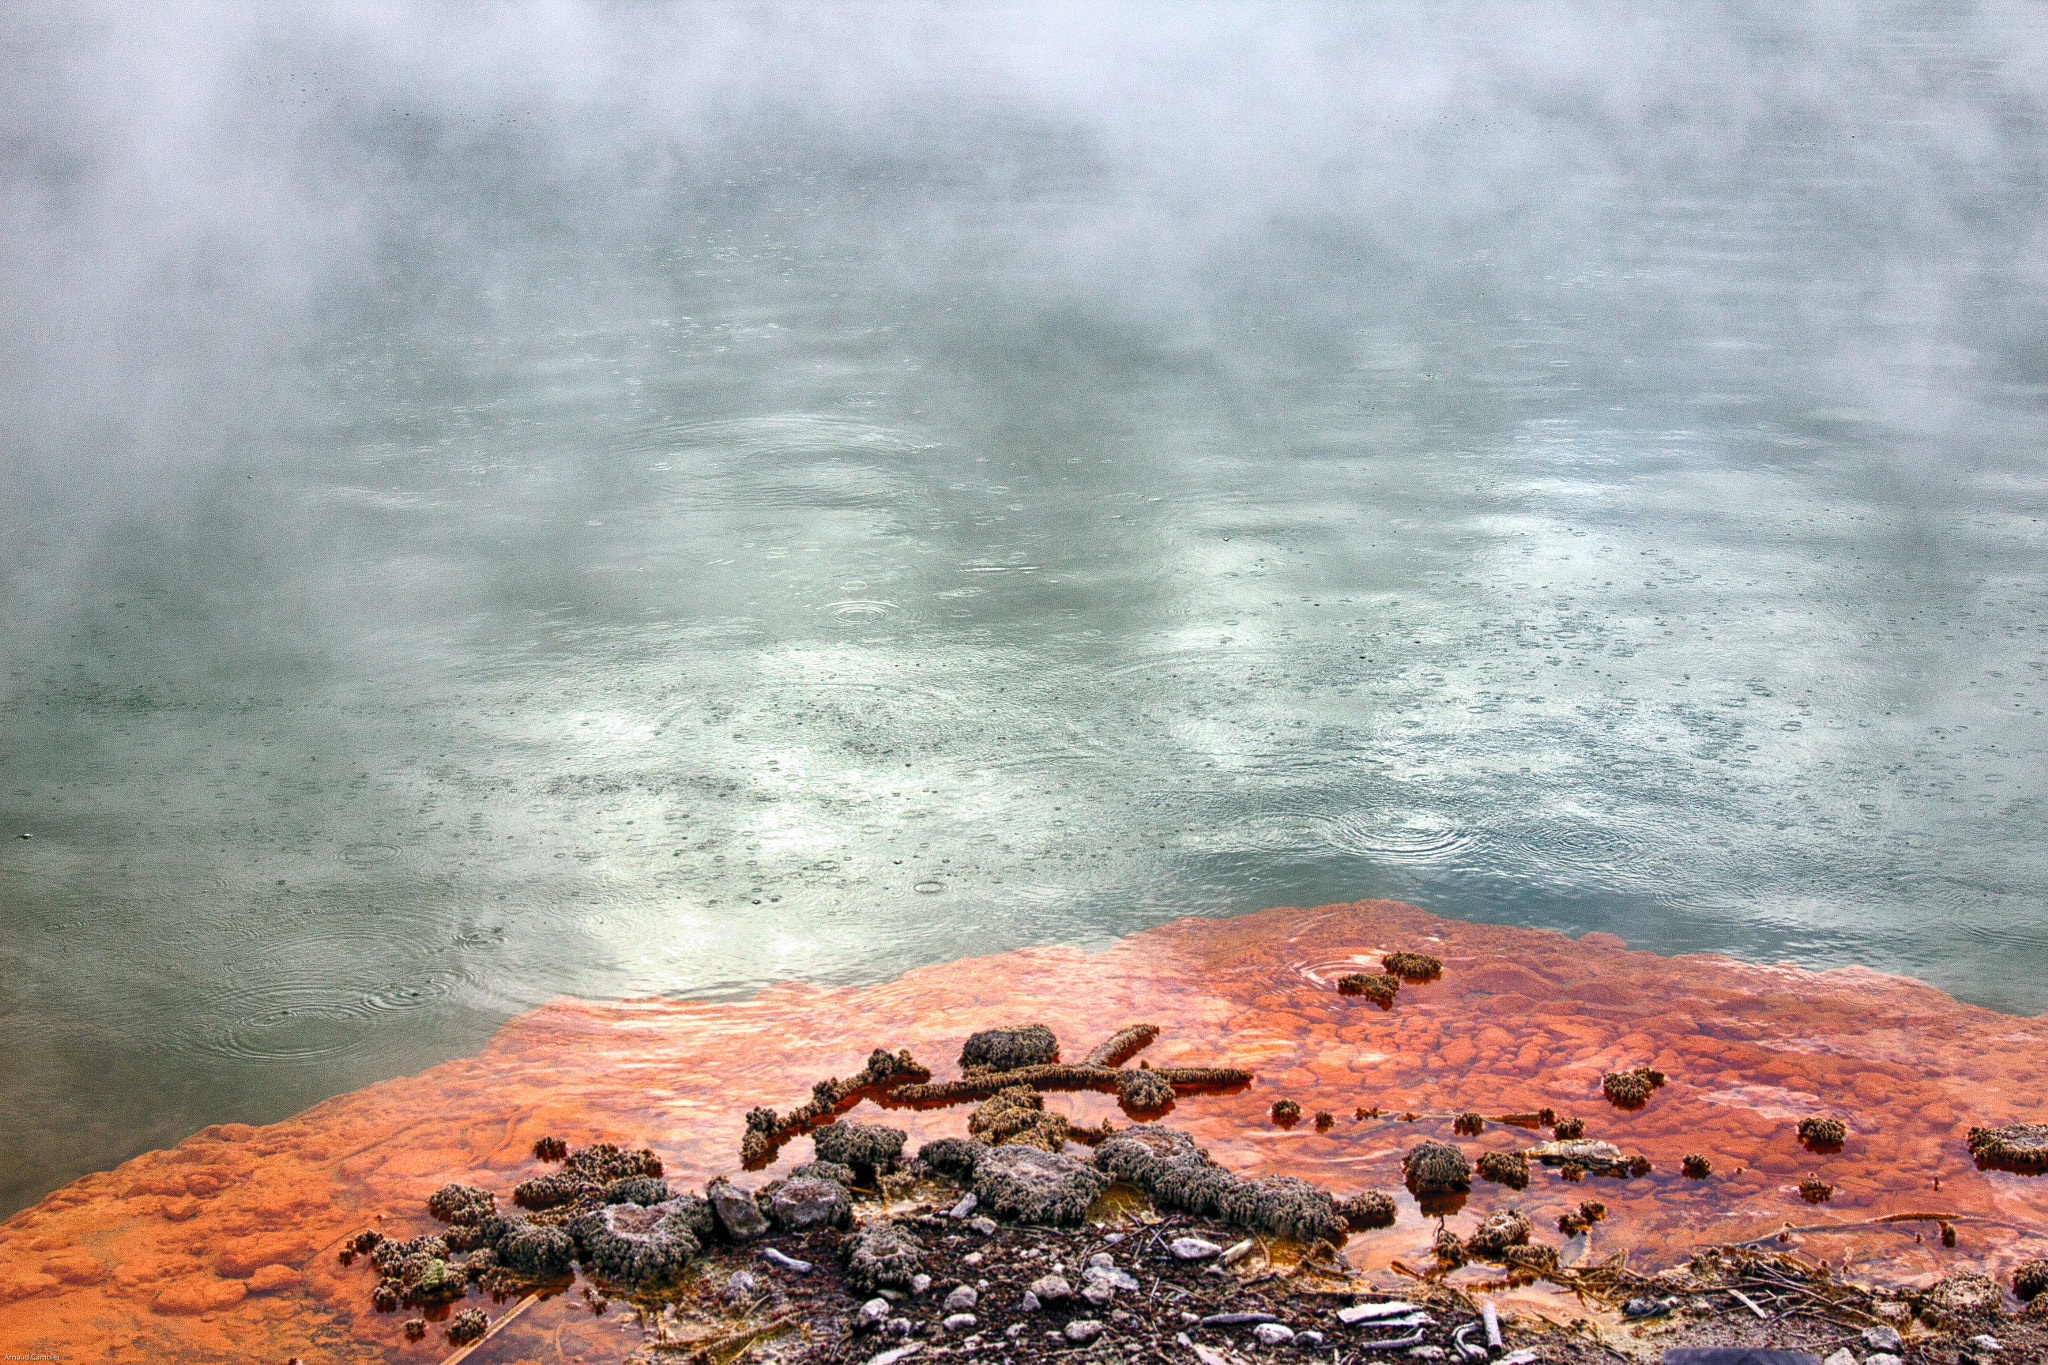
column 1050, row 1288
column 1238, row 1252
column 789, row 1263
column 955, row 1321
column 964, row 1207
column 920, row 1282
column 1842, row 1357
column 890, row 1357
column 1031, row 1302
column 985, row 1226
column 1309, row 1338
column 739, row 1285
column 736, row 1211
column 1098, row 1292
column 1015, row 1329
column 1193, row 1248
column 972, row 1258
column 1882, row 1358
column 963, row 1299
column 1883, row 1338
column 1427, row 1353
column 1102, row 1258
column 1984, row 1341
column 899, row 1327
column 873, row 1314
column 1082, row 1330
column 1273, row 1333
column 1109, row 1274
column 1113, row 1238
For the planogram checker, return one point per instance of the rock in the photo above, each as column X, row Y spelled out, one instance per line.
column 1109, row 1274
column 1842, row 1357
column 739, row 1217
column 1031, row 1302
column 1984, row 1341
column 787, row 1262
column 1882, row 1358
column 824, row 1170
column 1236, row 1319
column 872, row 1314
column 1083, row 1330
column 1309, row 1338
column 964, row 1207
column 890, row 1357
column 739, row 1285
column 806, row 1203
column 1884, row 1338
column 1428, row 1353
column 956, row 1321
column 1031, row 1185
column 985, row 1226
column 920, row 1283
column 1965, row 1294
column 1193, row 1248
column 1273, row 1333
column 1098, row 1292
column 1050, row 1289
column 898, row 1327
column 963, row 1299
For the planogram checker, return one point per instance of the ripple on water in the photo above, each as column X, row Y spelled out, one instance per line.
column 1407, row 834
column 364, row 855
column 327, row 1000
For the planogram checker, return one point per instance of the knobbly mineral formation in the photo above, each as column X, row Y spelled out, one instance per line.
column 1497, row 1232
column 1373, row 1209
column 2019, row 1147
column 1436, row 1168
column 1631, row 1089
column 1413, row 966
column 881, row 1257
column 631, row 1244
column 1030, row 1185
column 1697, row 1165
column 1505, row 1168
column 868, row 1148
column 1006, row 1049
column 1819, row 1133
column 1381, row 990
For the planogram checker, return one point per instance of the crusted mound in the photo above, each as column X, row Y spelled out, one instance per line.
column 823, row 1170
column 1814, row 1190
column 1413, row 966
column 1630, row 1089
column 1006, row 1049
column 1143, row 1090
column 881, row 1257
column 1568, row 1129
column 869, row 1148
column 632, row 1244
column 1471, row 1123
column 467, row 1326
column 1030, row 1185
column 1505, row 1168
column 1286, row 1111
column 1381, row 990
column 538, row 1251
column 953, row 1157
column 1697, row 1165
column 1372, row 1209
column 1284, row 1206
column 464, row 1205
column 1166, row 1164
column 807, row 1202
column 551, row 1190
column 1823, row 1132
column 638, row 1189
column 2029, row 1278
column 1436, row 1168
column 603, row 1163
column 2019, row 1147
column 1964, row 1295
column 1497, row 1232
column 1017, row 1115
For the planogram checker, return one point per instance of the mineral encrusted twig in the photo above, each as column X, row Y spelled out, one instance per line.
column 767, row 1130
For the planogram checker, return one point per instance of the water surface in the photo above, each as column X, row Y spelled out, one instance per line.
column 519, row 504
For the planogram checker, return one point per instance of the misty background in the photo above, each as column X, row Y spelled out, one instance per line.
column 507, row 501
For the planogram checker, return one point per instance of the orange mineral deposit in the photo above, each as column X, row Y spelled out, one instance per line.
column 225, row 1247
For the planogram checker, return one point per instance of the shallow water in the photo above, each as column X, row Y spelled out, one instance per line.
column 544, row 508
column 225, row 1246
